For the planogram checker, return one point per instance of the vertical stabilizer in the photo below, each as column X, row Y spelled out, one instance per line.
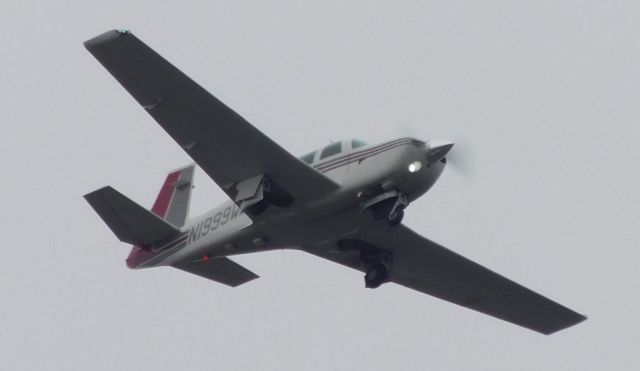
column 172, row 203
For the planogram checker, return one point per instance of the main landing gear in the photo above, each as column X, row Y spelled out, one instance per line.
column 375, row 261
column 271, row 195
column 377, row 264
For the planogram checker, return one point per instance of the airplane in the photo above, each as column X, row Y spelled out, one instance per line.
column 344, row 202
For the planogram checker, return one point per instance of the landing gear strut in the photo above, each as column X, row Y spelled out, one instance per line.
column 397, row 210
column 259, row 207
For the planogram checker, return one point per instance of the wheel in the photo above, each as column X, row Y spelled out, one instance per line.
column 395, row 217
column 276, row 195
column 381, row 210
column 376, row 275
column 279, row 197
column 259, row 207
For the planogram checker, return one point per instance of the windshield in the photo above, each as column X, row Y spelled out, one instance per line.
column 357, row 143
column 308, row 158
column 331, row 150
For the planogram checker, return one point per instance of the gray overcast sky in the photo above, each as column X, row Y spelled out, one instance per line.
column 541, row 97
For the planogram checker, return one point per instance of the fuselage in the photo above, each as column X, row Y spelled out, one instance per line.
column 361, row 171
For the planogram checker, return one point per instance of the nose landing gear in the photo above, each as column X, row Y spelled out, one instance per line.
column 388, row 205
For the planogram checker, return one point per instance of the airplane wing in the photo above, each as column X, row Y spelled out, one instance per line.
column 223, row 144
column 425, row 266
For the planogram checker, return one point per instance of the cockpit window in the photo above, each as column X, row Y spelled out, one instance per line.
column 357, row 143
column 308, row 158
column 331, row 150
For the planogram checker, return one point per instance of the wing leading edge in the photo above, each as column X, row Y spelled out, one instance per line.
column 425, row 266
column 227, row 147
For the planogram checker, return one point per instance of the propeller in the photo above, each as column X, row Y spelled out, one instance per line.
column 460, row 159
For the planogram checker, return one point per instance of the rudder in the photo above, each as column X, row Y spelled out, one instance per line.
column 172, row 203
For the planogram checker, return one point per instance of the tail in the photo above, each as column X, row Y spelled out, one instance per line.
column 172, row 203
column 151, row 232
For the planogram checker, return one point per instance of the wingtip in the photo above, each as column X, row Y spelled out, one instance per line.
column 579, row 318
column 104, row 37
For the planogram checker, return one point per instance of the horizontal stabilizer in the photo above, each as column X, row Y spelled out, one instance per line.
column 129, row 221
column 221, row 270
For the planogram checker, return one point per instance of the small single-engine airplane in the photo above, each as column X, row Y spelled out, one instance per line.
column 343, row 203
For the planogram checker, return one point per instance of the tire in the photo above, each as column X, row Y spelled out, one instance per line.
column 276, row 195
column 258, row 208
column 375, row 276
column 381, row 211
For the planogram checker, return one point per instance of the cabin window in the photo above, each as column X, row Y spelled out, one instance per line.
column 357, row 143
column 331, row 150
column 308, row 158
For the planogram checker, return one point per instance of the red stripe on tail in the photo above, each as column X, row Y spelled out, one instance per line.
column 163, row 200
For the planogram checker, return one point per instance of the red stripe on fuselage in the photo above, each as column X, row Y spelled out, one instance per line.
column 365, row 151
column 361, row 155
